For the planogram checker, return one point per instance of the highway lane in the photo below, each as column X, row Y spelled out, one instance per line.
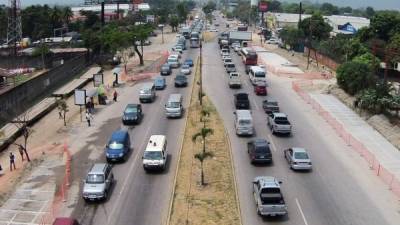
column 331, row 194
column 139, row 197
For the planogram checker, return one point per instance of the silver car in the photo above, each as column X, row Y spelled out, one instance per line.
column 298, row 159
column 98, row 182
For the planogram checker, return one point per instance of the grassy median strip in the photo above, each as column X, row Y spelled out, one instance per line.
column 214, row 201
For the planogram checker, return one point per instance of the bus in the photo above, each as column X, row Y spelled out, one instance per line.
column 249, row 56
column 194, row 42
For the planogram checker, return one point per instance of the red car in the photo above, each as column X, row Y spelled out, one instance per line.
column 260, row 89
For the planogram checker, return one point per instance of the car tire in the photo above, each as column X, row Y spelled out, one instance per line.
column 258, row 210
column 105, row 195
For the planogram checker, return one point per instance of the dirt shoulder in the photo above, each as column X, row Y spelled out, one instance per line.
column 215, row 202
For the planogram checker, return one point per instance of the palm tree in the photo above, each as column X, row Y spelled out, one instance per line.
column 201, row 157
column 204, row 113
column 204, row 132
column 66, row 16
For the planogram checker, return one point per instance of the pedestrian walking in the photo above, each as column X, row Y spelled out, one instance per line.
column 12, row 161
column 115, row 96
column 88, row 117
column 21, row 152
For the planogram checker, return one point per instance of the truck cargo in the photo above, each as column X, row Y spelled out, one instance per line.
column 239, row 36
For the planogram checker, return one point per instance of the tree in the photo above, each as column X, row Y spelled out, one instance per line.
column 91, row 19
column 137, row 35
column 66, row 15
column 369, row 12
column 345, row 10
column 42, row 50
column 62, row 107
column 21, row 122
column 354, row 77
column 209, row 7
column 315, row 27
column 203, row 134
column 275, row 6
column 385, row 24
column 393, row 48
column 182, row 11
column 201, row 157
column 369, row 59
column 204, row 114
column 292, row 36
column 174, row 22
column 329, row 9
column 379, row 98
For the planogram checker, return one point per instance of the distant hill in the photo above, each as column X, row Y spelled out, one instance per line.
column 376, row 4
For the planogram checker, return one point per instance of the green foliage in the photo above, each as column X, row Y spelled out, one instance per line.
column 394, row 48
column 292, row 36
column 182, row 11
column 174, row 22
column 209, row 7
column 3, row 22
column 329, row 9
column 369, row 59
column 385, row 24
column 379, row 98
column 315, row 27
column 274, row 6
column 290, row 7
column 113, row 39
column 369, row 12
column 41, row 50
column 354, row 77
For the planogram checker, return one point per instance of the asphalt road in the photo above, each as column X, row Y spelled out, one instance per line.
column 139, row 197
column 332, row 194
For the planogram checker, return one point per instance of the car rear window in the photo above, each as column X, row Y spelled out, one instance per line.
column 300, row 155
column 95, row 179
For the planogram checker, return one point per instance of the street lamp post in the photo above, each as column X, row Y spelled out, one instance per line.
column 161, row 26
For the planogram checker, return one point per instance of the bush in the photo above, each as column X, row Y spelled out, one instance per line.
column 354, row 77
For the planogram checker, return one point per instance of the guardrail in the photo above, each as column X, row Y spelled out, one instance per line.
column 386, row 176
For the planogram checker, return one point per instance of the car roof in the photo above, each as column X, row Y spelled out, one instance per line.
column 97, row 168
column 159, row 78
column 260, row 141
column 132, row 105
column 267, row 181
column 155, row 143
column 188, row 60
column 119, row 135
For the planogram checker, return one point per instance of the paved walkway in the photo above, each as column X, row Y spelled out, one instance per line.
column 31, row 201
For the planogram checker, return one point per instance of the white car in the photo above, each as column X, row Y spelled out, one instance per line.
column 227, row 60
column 186, row 69
column 272, row 41
column 298, row 159
column 235, row 44
column 225, row 54
column 213, row 30
column 236, row 49
column 226, row 57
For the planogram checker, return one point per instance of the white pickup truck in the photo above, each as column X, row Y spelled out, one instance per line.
column 279, row 123
column 268, row 197
column 234, row 80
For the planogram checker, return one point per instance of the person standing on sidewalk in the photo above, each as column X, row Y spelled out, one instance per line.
column 115, row 96
column 12, row 161
column 88, row 117
column 21, row 152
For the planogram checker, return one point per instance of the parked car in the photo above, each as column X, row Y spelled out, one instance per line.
column 98, row 182
column 186, row 69
column 241, row 101
column 260, row 88
column 268, row 196
column 298, row 159
column 188, row 62
column 132, row 114
column 270, row 106
column 118, row 146
column 180, row 80
column 259, row 151
column 230, row 68
column 166, row 69
column 279, row 123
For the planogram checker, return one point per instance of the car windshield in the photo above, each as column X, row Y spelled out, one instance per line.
column 165, row 68
column 131, row 110
column 95, row 179
column 231, row 65
column 152, row 155
column 300, row 155
column 188, row 62
column 180, row 78
column 185, row 66
column 159, row 81
column 172, row 60
column 115, row 145
column 244, row 122
column 173, row 105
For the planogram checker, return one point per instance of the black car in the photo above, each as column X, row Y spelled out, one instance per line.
column 166, row 69
column 270, row 106
column 180, row 80
column 132, row 114
column 242, row 101
column 259, row 151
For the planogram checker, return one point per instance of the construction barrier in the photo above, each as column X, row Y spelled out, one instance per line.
column 385, row 175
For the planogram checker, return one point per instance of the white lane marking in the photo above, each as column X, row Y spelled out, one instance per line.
column 272, row 142
column 255, row 103
column 301, row 211
column 131, row 169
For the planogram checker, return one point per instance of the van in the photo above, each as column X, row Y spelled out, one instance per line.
column 65, row 221
column 244, row 123
column 257, row 74
column 118, row 146
column 173, row 107
column 147, row 92
column 155, row 155
column 98, row 182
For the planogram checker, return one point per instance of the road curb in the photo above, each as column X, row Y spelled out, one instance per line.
column 171, row 200
column 234, row 176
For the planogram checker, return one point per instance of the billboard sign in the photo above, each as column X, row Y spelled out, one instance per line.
column 80, row 97
column 263, row 6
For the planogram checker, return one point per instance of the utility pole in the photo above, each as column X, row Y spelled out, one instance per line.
column 102, row 13
column 14, row 27
column 201, row 71
column 300, row 12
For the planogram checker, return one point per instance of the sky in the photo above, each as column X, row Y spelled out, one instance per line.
column 377, row 4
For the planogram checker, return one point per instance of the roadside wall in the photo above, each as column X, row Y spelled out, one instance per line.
column 325, row 60
column 17, row 100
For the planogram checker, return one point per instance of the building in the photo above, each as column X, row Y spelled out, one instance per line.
column 282, row 20
column 346, row 24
